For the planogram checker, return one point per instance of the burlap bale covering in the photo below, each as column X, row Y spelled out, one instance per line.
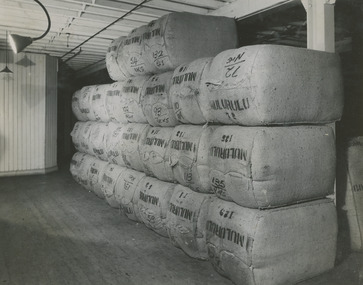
column 99, row 101
column 133, row 137
column 108, row 183
column 114, row 149
column 153, row 203
column 115, row 103
column 189, row 146
column 272, row 84
column 354, row 192
column 95, row 176
column 185, row 91
column 177, row 38
column 85, row 102
column 76, row 108
column 126, row 193
column 271, row 247
column 261, row 167
column 186, row 221
column 132, row 99
column 156, row 102
column 116, row 71
column 155, row 153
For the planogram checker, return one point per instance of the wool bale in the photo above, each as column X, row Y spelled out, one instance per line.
column 97, row 140
column 76, row 108
column 189, row 147
column 99, row 98
column 126, row 193
column 115, row 103
column 131, row 56
column 156, row 103
column 84, row 137
column 114, row 149
column 76, row 135
column 185, row 91
column 95, row 176
column 84, row 170
column 116, row 70
column 76, row 164
column 155, row 153
column 177, row 38
column 108, row 183
column 153, row 203
column 133, row 137
column 186, row 221
column 85, row 102
column 270, row 247
column 354, row 192
column 261, row 167
column 132, row 97
column 109, row 139
column 272, row 84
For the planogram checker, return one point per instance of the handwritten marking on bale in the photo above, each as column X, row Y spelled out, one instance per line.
column 156, row 102
column 115, row 69
column 115, row 103
column 132, row 97
column 155, row 153
column 272, row 84
column 108, row 182
column 153, row 203
column 186, row 221
column 127, row 193
column 185, row 91
column 132, row 139
column 189, row 147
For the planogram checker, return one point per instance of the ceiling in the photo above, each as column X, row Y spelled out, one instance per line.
column 74, row 21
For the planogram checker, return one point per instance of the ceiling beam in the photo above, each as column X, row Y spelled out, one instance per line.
column 245, row 8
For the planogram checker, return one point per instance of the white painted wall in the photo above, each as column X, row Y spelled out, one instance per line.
column 28, row 114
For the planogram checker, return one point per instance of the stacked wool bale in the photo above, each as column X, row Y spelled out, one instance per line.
column 255, row 204
column 262, row 228
column 354, row 191
column 139, row 98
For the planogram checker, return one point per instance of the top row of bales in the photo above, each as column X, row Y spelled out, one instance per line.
column 169, row 41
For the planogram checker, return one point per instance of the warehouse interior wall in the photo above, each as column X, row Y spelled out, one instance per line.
column 28, row 126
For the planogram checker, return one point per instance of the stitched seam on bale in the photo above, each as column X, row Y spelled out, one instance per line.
column 251, row 176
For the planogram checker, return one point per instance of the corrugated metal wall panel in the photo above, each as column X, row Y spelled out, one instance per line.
column 23, row 115
column 51, row 113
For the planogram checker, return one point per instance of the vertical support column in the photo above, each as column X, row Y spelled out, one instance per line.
column 320, row 24
column 321, row 33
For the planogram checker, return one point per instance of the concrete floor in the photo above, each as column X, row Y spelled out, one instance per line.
column 54, row 232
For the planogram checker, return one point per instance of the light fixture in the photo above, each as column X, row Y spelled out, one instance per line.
column 18, row 43
column 6, row 69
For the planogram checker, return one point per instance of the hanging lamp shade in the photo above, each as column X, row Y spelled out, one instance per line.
column 6, row 70
column 19, row 43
